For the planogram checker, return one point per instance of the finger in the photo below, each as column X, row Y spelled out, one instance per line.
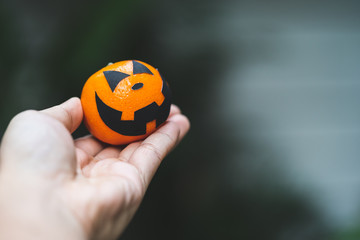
column 150, row 153
column 69, row 113
column 89, row 145
column 109, row 152
column 86, row 148
column 128, row 151
column 183, row 122
column 174, row 110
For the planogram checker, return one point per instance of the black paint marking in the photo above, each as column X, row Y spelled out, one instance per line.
column 140, row 68
column 164, row 108
column 112, row 117
column 114, row 77
column 137, row 86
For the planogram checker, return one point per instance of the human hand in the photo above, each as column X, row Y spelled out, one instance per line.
column 52, row 187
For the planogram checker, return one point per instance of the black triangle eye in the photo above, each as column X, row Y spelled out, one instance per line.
column 114, row 77
column 140, row 68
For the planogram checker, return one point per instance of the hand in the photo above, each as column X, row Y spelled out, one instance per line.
column 52, row 187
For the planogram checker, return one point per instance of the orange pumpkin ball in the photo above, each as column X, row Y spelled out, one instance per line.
column 125, row 102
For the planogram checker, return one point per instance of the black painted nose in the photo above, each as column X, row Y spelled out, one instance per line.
column 137, row 86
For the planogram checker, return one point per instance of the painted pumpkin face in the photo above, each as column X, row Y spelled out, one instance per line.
column 125, row 102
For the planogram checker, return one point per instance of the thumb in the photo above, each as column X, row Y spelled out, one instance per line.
column 40, row 142
column 68, row 113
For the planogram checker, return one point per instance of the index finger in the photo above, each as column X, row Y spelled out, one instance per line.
column 150, row 153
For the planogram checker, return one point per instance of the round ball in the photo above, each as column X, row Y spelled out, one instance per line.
column 125, row 102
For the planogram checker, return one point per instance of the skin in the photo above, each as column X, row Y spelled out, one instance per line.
column 54, row 187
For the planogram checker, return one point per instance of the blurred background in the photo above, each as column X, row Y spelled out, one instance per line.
column 271, row 88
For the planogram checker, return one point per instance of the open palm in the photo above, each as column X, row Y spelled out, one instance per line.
column 80, row 189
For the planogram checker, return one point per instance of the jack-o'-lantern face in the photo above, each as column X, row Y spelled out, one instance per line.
column 125, row 101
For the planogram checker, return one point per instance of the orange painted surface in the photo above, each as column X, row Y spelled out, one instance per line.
column 123, row 99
